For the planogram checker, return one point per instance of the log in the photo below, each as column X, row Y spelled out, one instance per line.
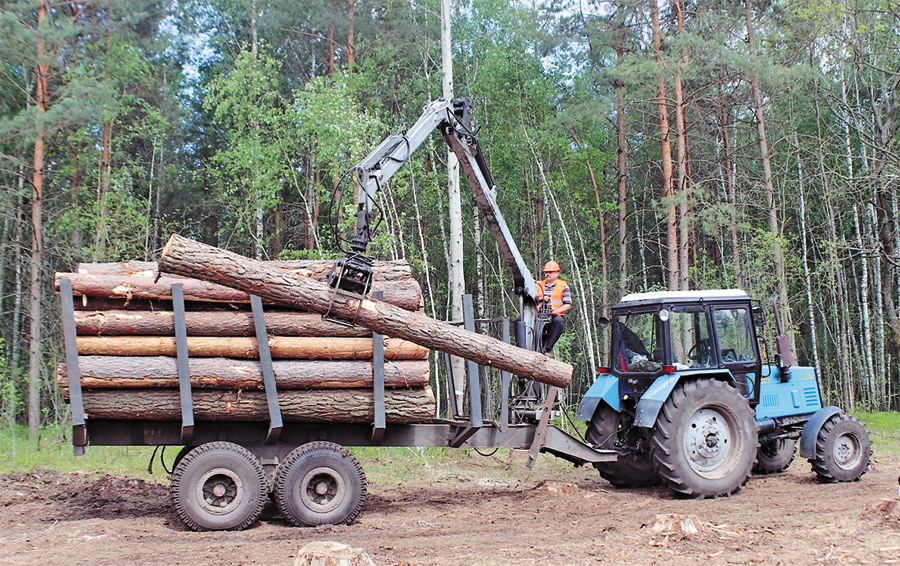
column 209, row 323
column 329, row 405
column 394, row 270
column 224, row 373
column 183, row 256
column 405, row 294
column 242, row 347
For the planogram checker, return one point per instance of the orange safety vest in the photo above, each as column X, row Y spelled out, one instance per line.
column 556, row 295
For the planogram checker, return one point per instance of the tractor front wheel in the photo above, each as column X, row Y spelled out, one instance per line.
column 843, row 450
column 704, row 442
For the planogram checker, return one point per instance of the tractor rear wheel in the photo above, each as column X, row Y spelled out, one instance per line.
column 843, row 450
column 630, row 470
column 320, row 483
column 775, row 456
column 704, row 442
column 218, row 486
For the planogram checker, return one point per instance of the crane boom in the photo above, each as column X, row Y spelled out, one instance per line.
column 452, row 118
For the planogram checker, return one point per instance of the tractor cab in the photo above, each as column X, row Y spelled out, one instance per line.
column 686, row 331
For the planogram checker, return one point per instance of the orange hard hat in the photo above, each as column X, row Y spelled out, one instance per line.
column 551, row 266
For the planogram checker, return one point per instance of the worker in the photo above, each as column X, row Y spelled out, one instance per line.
column 554, row 301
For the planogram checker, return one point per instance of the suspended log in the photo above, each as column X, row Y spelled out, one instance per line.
column 224, row 373
column 405, row 294
column 394, row 270
column 209, row 323
column 332, row 405
column 193, row 259
column 242, row 347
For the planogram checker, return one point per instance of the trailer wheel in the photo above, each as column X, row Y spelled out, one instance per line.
column 629, row 470
column 843, row 450
column 704, row 443
column 218, row 486
column 320, row 483
column 775, row 456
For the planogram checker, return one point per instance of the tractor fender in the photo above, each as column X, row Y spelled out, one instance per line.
column 811, row 431
column 605, row 388
column 652, row 400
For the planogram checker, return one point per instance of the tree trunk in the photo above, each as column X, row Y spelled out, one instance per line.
column 37, row 191
column 223, row 373
column 681, row 144
column 187, row 257
column 621, row 175
column 668, row 181
column 240, row 347
column 396, row 270
column 456, row 267
column 330, row 405
column 209, row 323
column 403, row 294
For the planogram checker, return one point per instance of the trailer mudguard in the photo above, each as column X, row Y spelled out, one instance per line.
column 652, row 400
column 811, row 431
column 605, row 388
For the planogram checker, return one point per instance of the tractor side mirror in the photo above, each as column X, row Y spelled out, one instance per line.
column 759, row 316
column 604, row 322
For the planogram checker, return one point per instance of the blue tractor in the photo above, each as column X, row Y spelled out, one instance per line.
column 688, row 401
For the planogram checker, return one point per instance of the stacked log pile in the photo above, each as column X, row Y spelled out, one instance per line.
column 324, row 372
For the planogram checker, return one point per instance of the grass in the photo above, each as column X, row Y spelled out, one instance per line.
column 53, row 450
column 884, row 430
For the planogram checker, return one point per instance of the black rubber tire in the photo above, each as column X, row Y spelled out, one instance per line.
column 843, row 450
column 704, row 442
column 775, row 456
column 218, row 486
column 630, row 470
column 180, row 456
column 320, row 483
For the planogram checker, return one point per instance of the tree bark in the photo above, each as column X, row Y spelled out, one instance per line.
column 42, row 66
column 405, row 294
column 187, row 257
column 668, row 180
column 244, row 347
column 209, row 323
column 396, row 270
column 332, row 405
column 224, row 373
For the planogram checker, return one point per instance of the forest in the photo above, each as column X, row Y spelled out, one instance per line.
column 644, row 145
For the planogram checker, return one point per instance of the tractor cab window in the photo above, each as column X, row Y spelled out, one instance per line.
column 690, row 335
column 639, row 348
column 735, row 338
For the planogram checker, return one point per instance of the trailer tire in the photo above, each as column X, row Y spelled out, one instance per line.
column 775, row 456
column 218, row 486
column 629, row 470
column 320, row 483
column 704, row 442
column 843, row 450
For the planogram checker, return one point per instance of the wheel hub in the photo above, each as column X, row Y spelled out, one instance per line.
column 322, row 489
column 707, row 442
column 220, row 491
column 847, row 452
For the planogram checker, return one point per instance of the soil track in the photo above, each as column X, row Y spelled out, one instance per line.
column 475, row 512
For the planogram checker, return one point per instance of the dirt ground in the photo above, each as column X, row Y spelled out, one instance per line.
column 481, row 511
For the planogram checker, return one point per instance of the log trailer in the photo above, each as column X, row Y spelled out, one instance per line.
column 227, row 468
column 688, row 403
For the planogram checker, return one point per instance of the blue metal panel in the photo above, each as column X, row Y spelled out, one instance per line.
column 797, row 395
column 605, row 388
